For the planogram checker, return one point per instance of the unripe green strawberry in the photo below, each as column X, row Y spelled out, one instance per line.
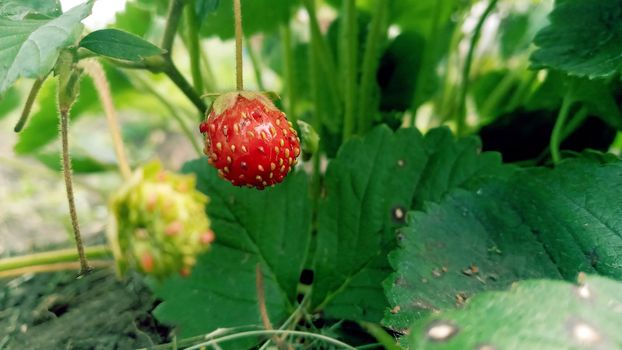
column 158, row 223
column 249, row 140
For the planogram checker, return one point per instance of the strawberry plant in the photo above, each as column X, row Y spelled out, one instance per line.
column 392, row 175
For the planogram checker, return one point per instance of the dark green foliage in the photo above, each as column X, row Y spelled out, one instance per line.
column 251, row 228
column 536, row 223
column 532, row 315
column 583, row 39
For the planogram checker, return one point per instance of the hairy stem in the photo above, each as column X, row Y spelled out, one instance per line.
column 466, row 70
column 556, row 136
column 348, row 56
column 239, row 74
column 371, row 58
column 95, row 70
column 194, row 47
column 32, row 96
column 66, row 164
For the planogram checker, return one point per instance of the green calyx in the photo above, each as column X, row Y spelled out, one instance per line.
column 310, row 140
column 158, row 223
column 68, row 79
column 228, row 99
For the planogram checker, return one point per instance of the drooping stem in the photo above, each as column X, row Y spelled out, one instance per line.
column 194, row 47
column 50, row 258
column 66, row 165
column 371, row 58
column 32, row 96
column 556, row 136
column 466, row 70
column 95, row 70
column 239, row 74
column 348, row 56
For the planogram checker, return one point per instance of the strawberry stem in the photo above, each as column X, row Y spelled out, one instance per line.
column 64, row 126
column 239, row 74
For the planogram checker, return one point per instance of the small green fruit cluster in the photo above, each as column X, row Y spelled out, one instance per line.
column 158, row 223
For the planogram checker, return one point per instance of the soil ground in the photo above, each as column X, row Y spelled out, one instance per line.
column 58, row 311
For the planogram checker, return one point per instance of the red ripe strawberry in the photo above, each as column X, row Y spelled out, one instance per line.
column 249, row 140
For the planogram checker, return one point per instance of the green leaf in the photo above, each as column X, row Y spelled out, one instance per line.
column 266, row 17
column 270, row 227
column 119, row 44
column 583, row 39
column 536, row 223
column 20, row 9
column 369, row 187
column 537, row 314
column 29, row 48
